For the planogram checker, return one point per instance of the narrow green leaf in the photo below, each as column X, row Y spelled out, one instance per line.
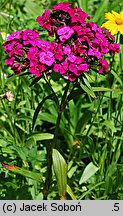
column 70, row 192
column 72, row 171
column 89, row 91
column 39, row 108
column 103, row 5
column 23, row 172
column 35, row 81
column 30, row 174
column 22, row 152
column 87, row 83
column 83, row 121
column 83, row 4
column 110, row 124
column 117, row 77
column 3, row 143
column 89, row 171
column 41, row 136
column 32, row 8
column 60, row 169
column 21, row 128
column 7, row 151
column 91, row 189
column 45, row 116
column 103, row 158
column 107, row 89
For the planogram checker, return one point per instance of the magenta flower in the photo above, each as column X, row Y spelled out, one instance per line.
column 62, row 68
column 77, row 15
column 104, row 66
column 72, row 58
column 15, row 35
column 108, row 34
column 17, row 50
column 77, row 65
column 29, row 36
column 37, row 69
column 58, row 52
column 72, row 67
column 94, row 52
column 17, row 68
column 114, row 48
column 44, row 20
column 46, row 58
column 9, row 61
column 32, row 54
column 77, row 70
column 34, row 70
column 64, row 33
column 78, row 45
column 67, row 50
column 43, row 45
column 79, row 30
column 59, row 68
column 71, row 77
column 63, row 6
column 9, row 45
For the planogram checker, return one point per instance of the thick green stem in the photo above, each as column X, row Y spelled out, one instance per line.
column 52, row 145
column 60, row 110
column 56, row 129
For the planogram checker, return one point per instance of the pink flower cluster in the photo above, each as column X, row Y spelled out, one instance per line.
column 17, row 45
column 79, row 45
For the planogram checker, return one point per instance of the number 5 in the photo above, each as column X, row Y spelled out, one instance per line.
column 116, row 207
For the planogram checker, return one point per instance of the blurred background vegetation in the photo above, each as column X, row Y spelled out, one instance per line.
column 91, row 130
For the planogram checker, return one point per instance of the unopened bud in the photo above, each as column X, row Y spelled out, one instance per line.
column 9, row 96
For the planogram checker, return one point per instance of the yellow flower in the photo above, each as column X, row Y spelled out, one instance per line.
column 114, row 23
column 4, row 35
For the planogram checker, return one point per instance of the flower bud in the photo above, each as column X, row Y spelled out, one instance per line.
column 9, row 96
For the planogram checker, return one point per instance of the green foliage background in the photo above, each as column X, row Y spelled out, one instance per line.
column 91, row 130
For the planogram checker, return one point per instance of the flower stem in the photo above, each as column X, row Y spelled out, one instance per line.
column 52, row 145
column 55, row 96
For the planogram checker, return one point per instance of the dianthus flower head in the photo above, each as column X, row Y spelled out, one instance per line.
column 79, row 45
column 114, row 23
column 17, row 47
column 61, row 15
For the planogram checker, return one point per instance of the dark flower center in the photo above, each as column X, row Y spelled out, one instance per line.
column 61, row 18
